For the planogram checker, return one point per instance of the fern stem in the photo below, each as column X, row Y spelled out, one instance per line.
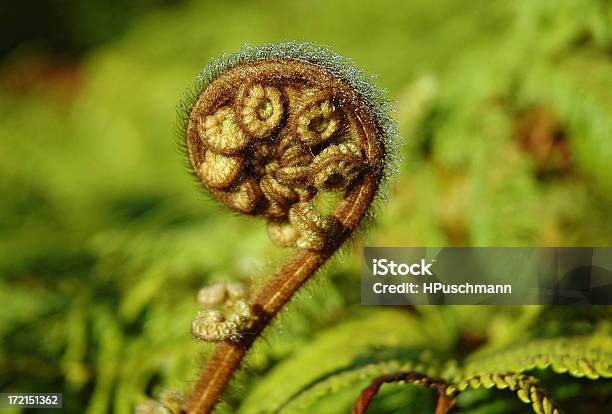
column 279, row 289
column 444, row 404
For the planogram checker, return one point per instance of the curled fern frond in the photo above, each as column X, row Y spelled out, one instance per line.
column 268, row 128
column 265, row 131
column 225, row 314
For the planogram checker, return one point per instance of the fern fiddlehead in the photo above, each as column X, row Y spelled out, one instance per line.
column 225, row 312
column 265, row 130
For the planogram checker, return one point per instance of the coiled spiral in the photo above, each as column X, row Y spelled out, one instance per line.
column 266, row 130
column 266, row 136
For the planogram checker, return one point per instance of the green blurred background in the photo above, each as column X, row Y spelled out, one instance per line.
column 505, row 113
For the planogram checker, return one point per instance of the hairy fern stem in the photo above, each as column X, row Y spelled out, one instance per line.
column 267, row 303
column 265, row 131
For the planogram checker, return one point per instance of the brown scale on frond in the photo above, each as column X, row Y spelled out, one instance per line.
column 266, row 136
